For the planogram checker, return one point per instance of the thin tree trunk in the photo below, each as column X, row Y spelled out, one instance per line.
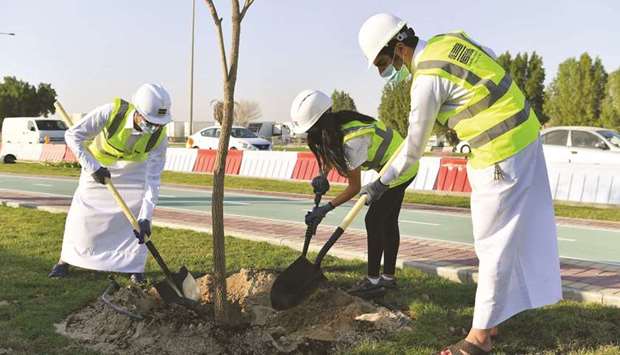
column 217, row 208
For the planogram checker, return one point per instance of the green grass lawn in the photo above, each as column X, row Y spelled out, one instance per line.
column 30, row 303
column 300, row 187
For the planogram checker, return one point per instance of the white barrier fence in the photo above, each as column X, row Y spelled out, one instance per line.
column 585, row 183
column 582, row 183
column 180, row 159
column 427, row 174
column 276, row 165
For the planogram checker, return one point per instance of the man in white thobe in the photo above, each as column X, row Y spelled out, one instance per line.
column 460, row 84
column 97, row 234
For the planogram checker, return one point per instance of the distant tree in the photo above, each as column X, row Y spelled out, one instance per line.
column 395, row 107
column 246, row 111
column 217, row 109
column 528, row 73
column 610, row 110
column 19, row 98
column 243, row 111
column 342, row 101
column 576, row 94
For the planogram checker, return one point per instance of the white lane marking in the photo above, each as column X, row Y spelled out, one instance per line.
column 596, row 228
column 567, row 239
column 167, row 196
column 236, row 203
column 44, row 185
column 36, row 193
column 418, row 222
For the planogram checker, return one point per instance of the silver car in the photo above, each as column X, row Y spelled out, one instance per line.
column 584, row 145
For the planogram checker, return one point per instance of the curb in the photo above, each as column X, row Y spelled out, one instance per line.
column 457, row 273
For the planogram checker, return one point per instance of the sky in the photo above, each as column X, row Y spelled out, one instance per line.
column 94, row 51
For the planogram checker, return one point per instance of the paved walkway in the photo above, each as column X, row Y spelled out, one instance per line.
column 581, row 280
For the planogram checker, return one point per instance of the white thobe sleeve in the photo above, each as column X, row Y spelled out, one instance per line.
column 428, row 93
column 85, row 130
column 154, row 166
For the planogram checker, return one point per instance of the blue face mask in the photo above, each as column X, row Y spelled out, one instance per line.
column 394, row 76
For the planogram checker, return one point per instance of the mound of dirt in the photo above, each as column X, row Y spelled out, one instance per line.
column 328, row 321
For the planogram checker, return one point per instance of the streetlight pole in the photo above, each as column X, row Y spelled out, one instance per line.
column 191, row 70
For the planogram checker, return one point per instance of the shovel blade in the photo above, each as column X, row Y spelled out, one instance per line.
column 184, row 282
column 296, row 283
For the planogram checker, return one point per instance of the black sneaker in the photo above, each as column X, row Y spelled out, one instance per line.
column 391, row 284
column 138, row 278
column 59, row 270
column 365, row 288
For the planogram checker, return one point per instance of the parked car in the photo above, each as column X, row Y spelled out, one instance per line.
column 32, row 130
column 241, row 138
column 272, row 131
column 20, row 131
column 585, row 145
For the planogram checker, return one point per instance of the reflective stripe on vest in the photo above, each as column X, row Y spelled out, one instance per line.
column 386, row 136
column 495, row 91
column 501, row 128
column 383, row 147
column 118, row 119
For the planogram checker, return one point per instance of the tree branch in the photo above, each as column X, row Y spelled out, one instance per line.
column 218, row 23
column 246, row 6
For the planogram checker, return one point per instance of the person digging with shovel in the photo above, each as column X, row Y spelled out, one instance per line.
column 351, row 142
column 125, row 142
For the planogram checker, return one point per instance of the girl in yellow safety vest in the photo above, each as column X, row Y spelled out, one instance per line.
column 351, row 142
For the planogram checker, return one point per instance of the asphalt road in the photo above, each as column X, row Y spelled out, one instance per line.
column 579, row 242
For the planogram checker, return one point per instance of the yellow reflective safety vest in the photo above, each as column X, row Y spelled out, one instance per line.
column 496, row 120
column 112, row 143
column 384, row 142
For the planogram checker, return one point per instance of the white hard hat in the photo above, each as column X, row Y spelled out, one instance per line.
column 153, row 102
column 307, row 108
column 376, row 32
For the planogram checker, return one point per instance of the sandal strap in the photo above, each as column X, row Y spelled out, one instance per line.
column 470, row 348
column 473, row 349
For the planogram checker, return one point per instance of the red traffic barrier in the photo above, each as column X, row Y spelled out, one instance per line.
column 452, row 175
column 307, row 167
column 69, row 156
column 53, row 153
column 205, row 161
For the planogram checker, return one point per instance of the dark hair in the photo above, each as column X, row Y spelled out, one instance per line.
column 406, row 36
column 325, row 139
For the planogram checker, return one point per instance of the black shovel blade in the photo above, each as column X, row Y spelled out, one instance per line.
column 168, row 293
column 296, row 283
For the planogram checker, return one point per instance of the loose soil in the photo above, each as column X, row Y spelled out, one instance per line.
column 330, row 320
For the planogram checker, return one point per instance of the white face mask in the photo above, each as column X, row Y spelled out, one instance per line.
column 147, row 127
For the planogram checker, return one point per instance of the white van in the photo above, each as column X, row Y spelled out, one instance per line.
column 21, row 132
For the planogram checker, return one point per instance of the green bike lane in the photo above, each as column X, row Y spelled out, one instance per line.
column 579, row 242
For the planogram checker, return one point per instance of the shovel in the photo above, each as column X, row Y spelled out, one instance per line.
column 179, row 287
column 302, row 277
